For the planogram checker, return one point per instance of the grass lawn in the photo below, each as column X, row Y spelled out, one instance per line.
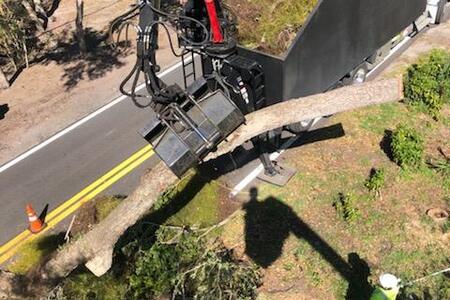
column 32, row 253
column 309, row 252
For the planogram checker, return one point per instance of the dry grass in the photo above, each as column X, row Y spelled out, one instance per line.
column 270, row 25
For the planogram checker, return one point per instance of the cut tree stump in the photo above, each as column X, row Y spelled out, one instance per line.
column 95, row 248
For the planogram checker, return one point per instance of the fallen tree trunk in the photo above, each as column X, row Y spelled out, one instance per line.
column 95, row 249
column 311, row 107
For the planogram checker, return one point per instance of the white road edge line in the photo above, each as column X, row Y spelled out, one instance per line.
column 253, row 174
column 43, row 144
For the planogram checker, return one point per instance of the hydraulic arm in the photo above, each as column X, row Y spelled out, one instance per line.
column 189, row 122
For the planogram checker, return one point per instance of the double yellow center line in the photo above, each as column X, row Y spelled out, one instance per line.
column 74, row 203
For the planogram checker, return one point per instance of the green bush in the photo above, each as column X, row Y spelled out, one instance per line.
column 156, row 269
column 407, row 147
column 185, row 266
column 375, row 182
column 427, row 84
column 344, row 205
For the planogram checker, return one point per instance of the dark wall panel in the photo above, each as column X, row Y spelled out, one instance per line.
column 339, row 36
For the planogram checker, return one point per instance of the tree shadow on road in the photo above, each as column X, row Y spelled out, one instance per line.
column 100, row 59
column 268, row 224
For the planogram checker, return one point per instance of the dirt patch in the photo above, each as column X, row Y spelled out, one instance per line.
column 85, row 219
column 227, row 206
column 93, row 212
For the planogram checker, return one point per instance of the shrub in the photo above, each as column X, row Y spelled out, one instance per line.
column 187, row 267
column 407, row 147
column 218, row 276
column 344, row 205
column 375, row 182
column 16, row 28
column 427, row 84
column 156, row 269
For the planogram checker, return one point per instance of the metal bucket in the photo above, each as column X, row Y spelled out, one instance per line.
column 196, row 128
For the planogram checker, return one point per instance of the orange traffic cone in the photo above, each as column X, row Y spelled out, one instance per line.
column 36, row 224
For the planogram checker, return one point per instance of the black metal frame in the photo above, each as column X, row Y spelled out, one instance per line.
column 176, row 112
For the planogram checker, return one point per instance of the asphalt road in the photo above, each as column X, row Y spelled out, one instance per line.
column 66, row 166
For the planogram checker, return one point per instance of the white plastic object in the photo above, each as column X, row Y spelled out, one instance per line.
column 389, row 281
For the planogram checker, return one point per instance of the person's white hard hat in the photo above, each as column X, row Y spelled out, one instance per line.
column 389, row 281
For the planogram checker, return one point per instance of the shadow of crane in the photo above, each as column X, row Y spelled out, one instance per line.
column 268, row 224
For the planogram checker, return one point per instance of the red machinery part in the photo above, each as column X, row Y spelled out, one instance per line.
column 215, row 25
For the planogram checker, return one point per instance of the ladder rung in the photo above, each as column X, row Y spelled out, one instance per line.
column 185, row 66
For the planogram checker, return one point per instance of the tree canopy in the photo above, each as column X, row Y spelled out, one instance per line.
column 17, row 29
